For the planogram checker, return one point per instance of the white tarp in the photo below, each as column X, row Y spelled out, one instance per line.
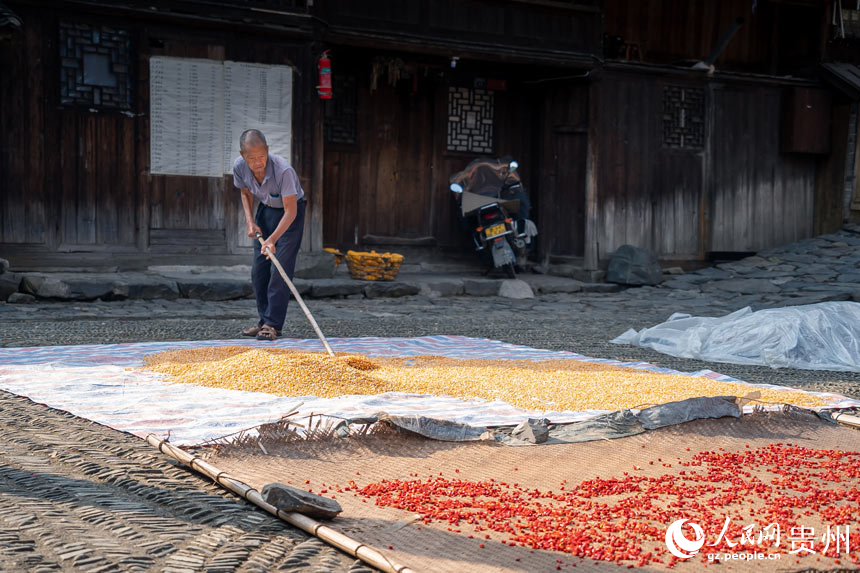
column 824, row 336
column 104, row 383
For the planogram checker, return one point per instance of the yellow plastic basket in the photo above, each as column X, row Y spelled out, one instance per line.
column 373, row 266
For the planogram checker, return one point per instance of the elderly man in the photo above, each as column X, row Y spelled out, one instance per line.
column 280, row 218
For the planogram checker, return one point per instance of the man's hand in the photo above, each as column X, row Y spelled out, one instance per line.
column 253, row 229
column 268, row 248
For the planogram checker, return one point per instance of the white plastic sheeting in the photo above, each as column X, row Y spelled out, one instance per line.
column 824, row 336
column 104, row 383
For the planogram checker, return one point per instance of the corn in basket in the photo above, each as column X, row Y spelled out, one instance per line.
column 373, row 266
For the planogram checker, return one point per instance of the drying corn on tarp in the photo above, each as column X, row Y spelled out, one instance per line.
column 556, row 384
column 224, row 386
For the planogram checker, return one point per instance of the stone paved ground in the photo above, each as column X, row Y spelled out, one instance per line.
column 68, row 486
column 77, row 496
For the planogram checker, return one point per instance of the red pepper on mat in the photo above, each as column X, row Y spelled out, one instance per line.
column 735, row 497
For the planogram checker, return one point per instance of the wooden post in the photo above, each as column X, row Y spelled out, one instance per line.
column 317, row 186
column 591, row 180
column 852, row 194
column 707, row 161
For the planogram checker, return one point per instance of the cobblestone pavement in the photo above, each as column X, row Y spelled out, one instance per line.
column 578, row 322
column 78, row 496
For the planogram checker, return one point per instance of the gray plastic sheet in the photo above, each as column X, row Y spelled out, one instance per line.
column 433, row 428
column 688, row 410
column 824, row 336
column 617, row 424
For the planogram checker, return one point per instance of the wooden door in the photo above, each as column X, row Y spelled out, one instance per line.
column 98, row 182
column 564, row 217
column 397, row 176
column 561, row 201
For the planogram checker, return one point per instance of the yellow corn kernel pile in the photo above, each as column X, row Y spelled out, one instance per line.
column 529, row 384
column 274, row 371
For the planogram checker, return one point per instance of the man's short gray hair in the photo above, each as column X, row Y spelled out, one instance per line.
column 251, row 137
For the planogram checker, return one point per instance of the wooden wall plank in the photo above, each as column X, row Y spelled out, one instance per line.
column 830, row 182
column 398, row 170
column 760, row 197
column 341, row 189
column 22, row 140
column 35, row 199
column 86, row 196
column 69, row 153
column 142, row 178
column 649, row 195
column 395, row 180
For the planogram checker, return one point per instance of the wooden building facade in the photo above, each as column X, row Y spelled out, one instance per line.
column 689, row 163
column 619, row 139
column 78, row 188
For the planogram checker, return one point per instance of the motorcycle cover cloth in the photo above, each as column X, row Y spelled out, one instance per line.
column 486, row 177
column 471, row 202
column 824, row 336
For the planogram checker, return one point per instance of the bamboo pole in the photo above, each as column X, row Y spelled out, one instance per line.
column 331, row 536
column 298, row 298
column 847, row 419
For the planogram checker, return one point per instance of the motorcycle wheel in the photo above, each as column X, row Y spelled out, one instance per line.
column 510, row 271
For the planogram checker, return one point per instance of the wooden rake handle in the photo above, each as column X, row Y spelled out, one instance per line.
column 298, row 298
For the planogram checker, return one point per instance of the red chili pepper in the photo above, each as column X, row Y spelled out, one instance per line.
column 787, row 482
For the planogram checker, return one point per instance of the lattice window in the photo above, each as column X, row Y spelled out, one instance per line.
column 683, row 117
column 95, row 66
column 851, row 22
column 470, row 120
column 341, row 112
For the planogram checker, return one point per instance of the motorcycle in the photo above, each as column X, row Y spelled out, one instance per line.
column 493, row 207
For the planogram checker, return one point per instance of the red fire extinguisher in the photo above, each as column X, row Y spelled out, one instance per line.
column 324, row 71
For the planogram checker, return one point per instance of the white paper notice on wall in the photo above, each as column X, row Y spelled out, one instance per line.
column 198, row 109
column 186, row 116
column 260, row 97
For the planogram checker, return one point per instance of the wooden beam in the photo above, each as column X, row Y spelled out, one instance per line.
column 570, row 6
column 477, row 51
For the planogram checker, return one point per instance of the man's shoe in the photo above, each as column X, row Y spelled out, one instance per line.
column 254, row 331
column 267, row 333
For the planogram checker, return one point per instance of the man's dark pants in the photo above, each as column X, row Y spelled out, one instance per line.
column 272, row 292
